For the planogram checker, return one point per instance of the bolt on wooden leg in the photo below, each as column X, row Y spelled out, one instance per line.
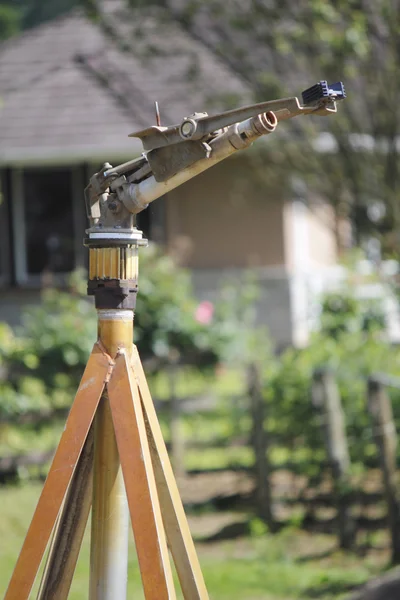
column 176, row 526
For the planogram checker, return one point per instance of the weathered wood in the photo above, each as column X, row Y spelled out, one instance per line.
column 61, row 471
column 380, row 409
column 65, row 547
column 140, row 484
column 260, row 445
column 176, row 526
column 383, row 587
column 326, row 397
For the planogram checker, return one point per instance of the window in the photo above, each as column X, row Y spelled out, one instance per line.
column 152, row 221
column 49, row 241
column 5, row 270
column 43, row 222
column 48, row 222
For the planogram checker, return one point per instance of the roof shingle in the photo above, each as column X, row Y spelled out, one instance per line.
column 69, row 91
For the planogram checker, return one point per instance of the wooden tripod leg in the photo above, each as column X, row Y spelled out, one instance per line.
column 70, row 528
column 137, row 469
column 175, row 522
column 60, row 474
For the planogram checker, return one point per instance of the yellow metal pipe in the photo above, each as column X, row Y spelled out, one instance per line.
column 110, row 515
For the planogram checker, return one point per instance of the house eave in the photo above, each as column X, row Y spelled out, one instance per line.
column 25, row 157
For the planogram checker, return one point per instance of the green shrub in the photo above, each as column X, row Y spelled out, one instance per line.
column 42, row 363
column 165, row 323
column 353, row 350
column 342, row 312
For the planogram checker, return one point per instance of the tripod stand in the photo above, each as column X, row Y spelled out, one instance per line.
column 113, row 392
column 114, row 395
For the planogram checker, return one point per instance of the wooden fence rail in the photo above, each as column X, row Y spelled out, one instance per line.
column 259, row 441
column 326, row 398
column 384, row 430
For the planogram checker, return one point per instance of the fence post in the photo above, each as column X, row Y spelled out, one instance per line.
column 326, row 397
column 260, row 445
column 175, row 423
column 384, row 430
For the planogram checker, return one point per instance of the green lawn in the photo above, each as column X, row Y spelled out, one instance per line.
column 261, row 567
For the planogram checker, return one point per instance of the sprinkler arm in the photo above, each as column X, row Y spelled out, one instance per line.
column 200, row 125
column 173, row 155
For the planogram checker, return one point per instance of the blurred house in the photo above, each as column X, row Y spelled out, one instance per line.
column 71, row 91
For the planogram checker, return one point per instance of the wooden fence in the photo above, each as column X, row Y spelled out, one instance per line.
column 326, row 400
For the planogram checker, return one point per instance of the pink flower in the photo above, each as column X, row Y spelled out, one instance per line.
column 204, row 312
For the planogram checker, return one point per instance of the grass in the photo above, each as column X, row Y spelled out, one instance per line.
column 291, row 565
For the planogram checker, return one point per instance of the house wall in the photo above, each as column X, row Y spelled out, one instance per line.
column 311, row 255
column 222, row 219
column 323, row 242
column 309, row 235
column 273, row 305
column 222, row 224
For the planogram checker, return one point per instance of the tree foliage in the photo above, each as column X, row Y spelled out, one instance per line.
column 17, row 15
column 276, row 45
column 295, row 424
column 281, row 47
column 351, row 344
column 9, row 21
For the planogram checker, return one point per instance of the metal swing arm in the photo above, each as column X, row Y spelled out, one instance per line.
column 175, row 154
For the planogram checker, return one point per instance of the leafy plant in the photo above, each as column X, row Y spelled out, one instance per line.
column 9, row 20
column 166, row 327
column 353, row 351
column 342, row 312
column 41, row 363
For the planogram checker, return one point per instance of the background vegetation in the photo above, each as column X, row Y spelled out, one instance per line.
column 40, row 367
column 275, row 46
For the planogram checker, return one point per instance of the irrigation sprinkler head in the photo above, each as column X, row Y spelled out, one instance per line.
column 172, row 155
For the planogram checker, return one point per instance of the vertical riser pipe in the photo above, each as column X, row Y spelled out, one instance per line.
column 110, row 514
